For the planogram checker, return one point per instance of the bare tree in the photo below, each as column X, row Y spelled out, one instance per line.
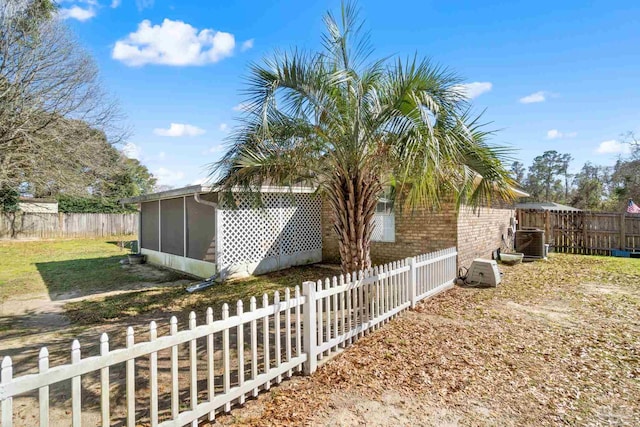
column 54, row 115
column 634, row 142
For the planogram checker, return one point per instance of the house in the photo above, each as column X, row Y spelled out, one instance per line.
column 193, row 230
column 33, row 205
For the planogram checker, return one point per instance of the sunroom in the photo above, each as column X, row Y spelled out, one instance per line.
column 198, row 231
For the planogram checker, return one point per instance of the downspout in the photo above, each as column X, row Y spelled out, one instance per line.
column 214, row 205
column 204, row 202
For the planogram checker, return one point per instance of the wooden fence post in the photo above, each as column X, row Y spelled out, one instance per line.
column 547, row 227
column 413, row 296
column 309, row 327
column 623, row 231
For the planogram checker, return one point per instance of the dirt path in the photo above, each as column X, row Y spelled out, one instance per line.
column 24, row 304
column 31, row 321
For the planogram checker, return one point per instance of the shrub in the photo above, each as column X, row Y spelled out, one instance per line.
column 74, row 204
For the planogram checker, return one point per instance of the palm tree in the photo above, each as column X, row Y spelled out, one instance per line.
column 354, row 126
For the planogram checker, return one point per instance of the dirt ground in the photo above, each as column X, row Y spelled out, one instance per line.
column 557, row 343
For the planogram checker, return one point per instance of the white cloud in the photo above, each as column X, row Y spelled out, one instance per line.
column 246, row 45
column 553, row 134
column 613, row 147
column 217, row 148
column 162, row 155
column 168, row 177
column 224, row 127
column 540, row 96
column 179, row 129
column 132, row 151
column 115, row 3
column 474, row 89
column 243, row 106
column 76, row 12
column 173, row 43
column 556, row 134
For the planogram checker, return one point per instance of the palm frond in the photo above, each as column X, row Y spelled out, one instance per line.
column 327, row 115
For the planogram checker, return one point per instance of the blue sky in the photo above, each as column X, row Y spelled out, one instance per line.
column 560, row 75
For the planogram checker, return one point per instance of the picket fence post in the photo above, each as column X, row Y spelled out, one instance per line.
column 413, row 294
column 309, row 325
column 6, row 375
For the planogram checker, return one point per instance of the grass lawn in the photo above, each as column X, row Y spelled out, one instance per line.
column 73, row 284
column 56, row 267
column 40, row 277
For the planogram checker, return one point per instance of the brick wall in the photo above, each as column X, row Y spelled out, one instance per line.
column 475, row 234
column 480, row 232
column 417, row 232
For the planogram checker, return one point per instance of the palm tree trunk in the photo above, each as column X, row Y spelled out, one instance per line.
column 353, row 201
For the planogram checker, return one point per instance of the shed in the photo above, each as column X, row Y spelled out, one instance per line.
column 546, row 206
column 194, row 230
column 33, row 205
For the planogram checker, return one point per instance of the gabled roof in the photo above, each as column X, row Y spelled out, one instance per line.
column 546, row 206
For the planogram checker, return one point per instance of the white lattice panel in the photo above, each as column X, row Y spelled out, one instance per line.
column 307, row 222
column 286, row 224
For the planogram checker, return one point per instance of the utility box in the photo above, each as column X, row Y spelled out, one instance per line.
column 485, row 272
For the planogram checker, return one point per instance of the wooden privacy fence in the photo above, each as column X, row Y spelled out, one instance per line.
column 225, row 361
column 52, row 225
column 583, row 232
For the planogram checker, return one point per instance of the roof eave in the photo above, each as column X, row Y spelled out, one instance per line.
column 169, row 194
column 200, row 189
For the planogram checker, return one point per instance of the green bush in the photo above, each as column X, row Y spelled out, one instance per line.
column 9, row 199
column 72, row 204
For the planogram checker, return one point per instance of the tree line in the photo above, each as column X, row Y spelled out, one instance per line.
column 594, row 187
column 59, row 129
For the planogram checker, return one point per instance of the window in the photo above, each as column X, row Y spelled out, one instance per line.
column 384, row 221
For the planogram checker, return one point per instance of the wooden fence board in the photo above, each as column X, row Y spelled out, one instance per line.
column 584, row 232
column 64, row 225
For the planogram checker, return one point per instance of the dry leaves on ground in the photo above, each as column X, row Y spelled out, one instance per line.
column 556, row 343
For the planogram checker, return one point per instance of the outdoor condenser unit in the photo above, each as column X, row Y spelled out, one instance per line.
column 530, row 242
column 485, row 272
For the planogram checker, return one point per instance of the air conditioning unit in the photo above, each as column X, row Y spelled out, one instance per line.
column 531, row 243
column 484, row 272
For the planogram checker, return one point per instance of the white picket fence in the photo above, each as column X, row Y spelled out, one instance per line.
column 283, row 337
column 349, row 306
